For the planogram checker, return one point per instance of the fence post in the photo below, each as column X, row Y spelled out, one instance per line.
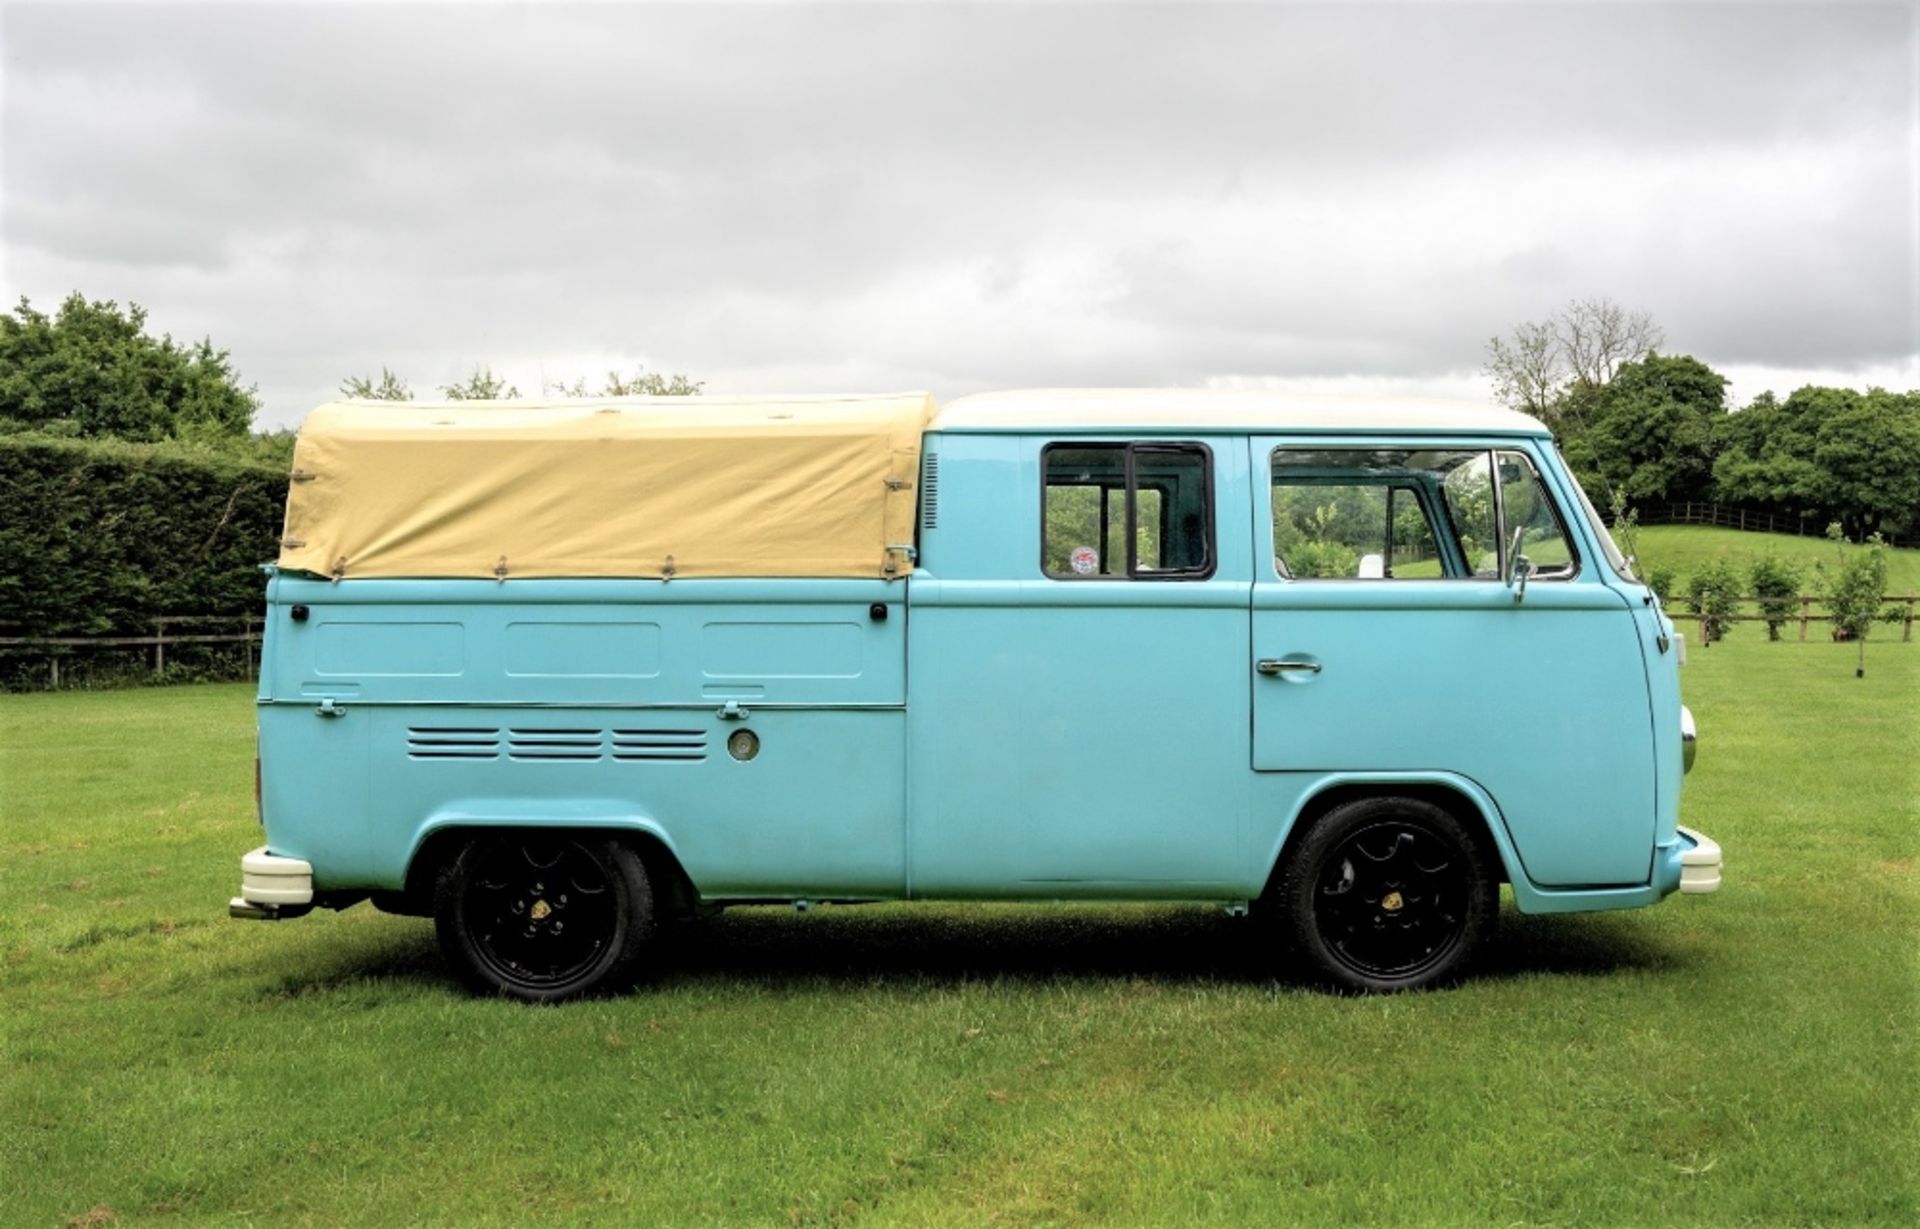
column 1906, row 631
column 246, row 640
column 54, row 661
column 159, row 646
column 1805, row 603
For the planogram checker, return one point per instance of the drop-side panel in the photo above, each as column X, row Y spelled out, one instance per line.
column 392, row 707
column 566, row 642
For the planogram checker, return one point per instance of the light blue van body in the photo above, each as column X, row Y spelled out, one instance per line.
column 978, row 729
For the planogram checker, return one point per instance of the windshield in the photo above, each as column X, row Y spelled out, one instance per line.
column 1600, row 531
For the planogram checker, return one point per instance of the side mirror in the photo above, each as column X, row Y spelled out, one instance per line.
column 1519, row 567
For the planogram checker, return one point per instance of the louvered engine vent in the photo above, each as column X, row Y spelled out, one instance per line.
column 453, row 742
column 556, row 744
column 930, row 490
column 659, row 744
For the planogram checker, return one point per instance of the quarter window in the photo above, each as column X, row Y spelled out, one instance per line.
column 1526, row 505
column 1127, row 511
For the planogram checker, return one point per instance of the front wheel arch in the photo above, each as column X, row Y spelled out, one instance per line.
column 1386, row 892
column 1472, row 813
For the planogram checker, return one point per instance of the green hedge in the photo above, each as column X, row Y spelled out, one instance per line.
column 99, row 536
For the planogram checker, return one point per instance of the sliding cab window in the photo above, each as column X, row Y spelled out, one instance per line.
column 1127, row 512
column 1411, row 514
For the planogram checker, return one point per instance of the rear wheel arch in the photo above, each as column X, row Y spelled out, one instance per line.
column 676, row 897
column 544, row 915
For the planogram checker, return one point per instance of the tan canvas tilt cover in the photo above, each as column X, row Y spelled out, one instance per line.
column 631, row 486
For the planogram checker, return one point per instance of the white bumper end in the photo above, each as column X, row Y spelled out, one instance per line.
column 1699, row 866
column 270, row 884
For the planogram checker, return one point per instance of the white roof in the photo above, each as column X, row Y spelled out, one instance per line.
column 1093, row 410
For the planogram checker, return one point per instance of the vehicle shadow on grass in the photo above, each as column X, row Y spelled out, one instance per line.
column 1174, row 946
column 772, row 947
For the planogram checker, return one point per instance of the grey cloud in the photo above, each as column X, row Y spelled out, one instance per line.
column 961, row 195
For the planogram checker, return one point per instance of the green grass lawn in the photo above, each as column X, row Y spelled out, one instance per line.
column 1741, row 1059
column 1685, row 547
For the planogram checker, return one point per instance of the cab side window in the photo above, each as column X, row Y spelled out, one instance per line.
column 1139, row 511
column 1412, row 514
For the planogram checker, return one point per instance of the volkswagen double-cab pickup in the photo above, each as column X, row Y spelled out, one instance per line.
column 556, row 674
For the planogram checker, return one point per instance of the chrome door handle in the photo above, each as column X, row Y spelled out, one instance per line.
column 1268, row 665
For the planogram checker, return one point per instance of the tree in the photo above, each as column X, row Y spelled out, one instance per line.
column 1527, row 369
column 1649, row 433
column 1584, row 344
column 1598, row 336
column 1714, row 594
column 1870, row 454
column 1855, row 591
column 1831, row 453
column 92, row 369
column 390, row 387
column 1776, row 585
column 482, row 385
column 1765, row 457
column 640, row 384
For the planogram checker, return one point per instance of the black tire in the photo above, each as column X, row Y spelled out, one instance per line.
column 543, row 918
column 1388, row 894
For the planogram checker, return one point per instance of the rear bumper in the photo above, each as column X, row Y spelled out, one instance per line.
column 1699, row 863
column 272, row 887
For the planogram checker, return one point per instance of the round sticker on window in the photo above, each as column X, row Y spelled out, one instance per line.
column 1084, row 560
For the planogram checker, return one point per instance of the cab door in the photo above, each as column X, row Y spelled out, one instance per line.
column 1385, row 640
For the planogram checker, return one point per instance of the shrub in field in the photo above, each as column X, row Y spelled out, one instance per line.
column 1713, row 593
column 1776, row 583
column 1855, row 591
column 1663, row 581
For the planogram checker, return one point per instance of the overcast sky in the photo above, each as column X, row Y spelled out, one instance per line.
column 834, row 198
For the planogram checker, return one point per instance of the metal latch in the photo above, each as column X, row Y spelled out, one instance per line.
column 733, row 710
column 327, row 708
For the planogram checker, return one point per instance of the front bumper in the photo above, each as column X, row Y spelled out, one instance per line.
column 1699, row 863
column 272, row 887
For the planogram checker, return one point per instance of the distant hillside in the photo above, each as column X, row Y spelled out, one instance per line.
column 1685, row 547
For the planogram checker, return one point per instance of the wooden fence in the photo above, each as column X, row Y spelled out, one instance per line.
column 247, row 631
column 1731, row 517
column 1803, row 615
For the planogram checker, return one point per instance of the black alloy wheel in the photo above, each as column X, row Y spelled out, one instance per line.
column 541, row 917
column 1389, row 894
